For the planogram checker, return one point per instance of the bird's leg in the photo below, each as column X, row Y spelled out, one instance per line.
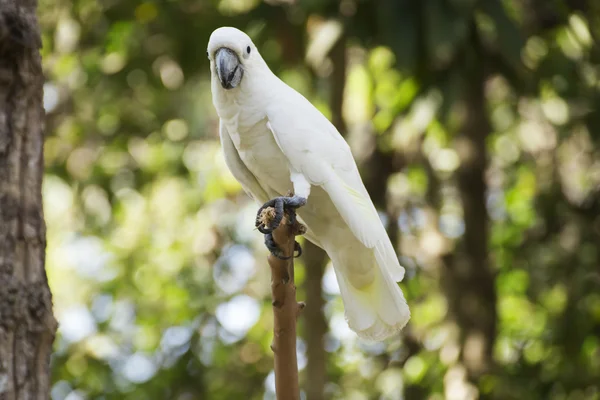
column 280, row 205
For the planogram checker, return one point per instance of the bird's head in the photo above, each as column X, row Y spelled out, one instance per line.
column 231, row 53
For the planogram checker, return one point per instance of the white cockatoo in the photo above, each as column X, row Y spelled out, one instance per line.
column 274, row 140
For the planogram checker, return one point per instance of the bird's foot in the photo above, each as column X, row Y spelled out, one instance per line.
column 279, row 204
column 267, row 224
column 277, row 252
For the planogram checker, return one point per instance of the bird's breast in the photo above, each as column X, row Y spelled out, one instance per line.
column 258, row 149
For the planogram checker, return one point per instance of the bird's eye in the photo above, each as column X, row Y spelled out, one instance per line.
column 248, row 49
column 207, row 55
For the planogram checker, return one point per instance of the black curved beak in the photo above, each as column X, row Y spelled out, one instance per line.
column 229, row 68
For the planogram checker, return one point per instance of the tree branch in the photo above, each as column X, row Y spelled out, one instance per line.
column 285, row 309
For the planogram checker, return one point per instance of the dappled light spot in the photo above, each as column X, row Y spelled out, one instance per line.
column 535, row 50
column 474, row 351
column 323, row 37
column 124, row 315
column 270, row 384
column 372, row 348
column 102, row 307
column 174, row 343
column 367, row 369
column 451, row 225
column 381, row 59
column 444, row 160
column 505, row 351
column 556, row 110
column 80, row 162
column 339, row 328
column 76, row 323
column 433, row 243
column 96, row 204
column 301, row 354
column 250, row 353
column 414, row 369
column 330, row 283
column 332, row 344
column 51, row 97
column 514, row 281
column 75, row 395
column 169, row 71
column 579, row 26
column 450, row 352
column 146, row 12
column 113, row 63
column 88, row 257
column 237, row 316
column 102, row 347
column 138, row 368
column 555, row 299
column 456, row 386
column 391, row 383
column 507, row 149
column 108, row 123
column 233, row 269
column 534, row 352
column 176, row 129
column 58, row 199
column 67, row 35
column 503, row 117
column 466, row 150
column 356, row 107
column 233, row 7
column 569, row 44
column 174, row 337
column 430, row 311
column 60, row 390
column 209, row 340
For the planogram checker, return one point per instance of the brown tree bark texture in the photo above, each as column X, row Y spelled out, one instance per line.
column 27, row 326
column 285, row 313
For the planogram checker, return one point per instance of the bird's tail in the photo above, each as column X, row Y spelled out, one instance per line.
column 375, row 310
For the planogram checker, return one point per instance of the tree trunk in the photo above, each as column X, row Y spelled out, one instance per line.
column 468, row 278
column 27, row 325
column 315, row 258
column 315, row 324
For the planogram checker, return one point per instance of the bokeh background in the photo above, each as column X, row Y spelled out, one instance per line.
column 475, row 126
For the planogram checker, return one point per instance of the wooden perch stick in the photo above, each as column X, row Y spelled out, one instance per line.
column 285, row 308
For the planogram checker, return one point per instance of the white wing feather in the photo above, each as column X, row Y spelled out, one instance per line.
column 239, row 170
column 317, row 150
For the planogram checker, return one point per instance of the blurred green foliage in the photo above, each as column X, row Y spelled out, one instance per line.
column 159, row 279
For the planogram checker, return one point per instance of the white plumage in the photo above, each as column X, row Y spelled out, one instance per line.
column 275, row 139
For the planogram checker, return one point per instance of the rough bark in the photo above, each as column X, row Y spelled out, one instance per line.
column 27, row 326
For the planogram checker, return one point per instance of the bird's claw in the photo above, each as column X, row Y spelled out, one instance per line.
column 279, row 205
column 297, row 248
column 277, row 252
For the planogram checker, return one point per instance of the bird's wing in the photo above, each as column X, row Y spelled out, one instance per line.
column 314, row 148
column 239, row 170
